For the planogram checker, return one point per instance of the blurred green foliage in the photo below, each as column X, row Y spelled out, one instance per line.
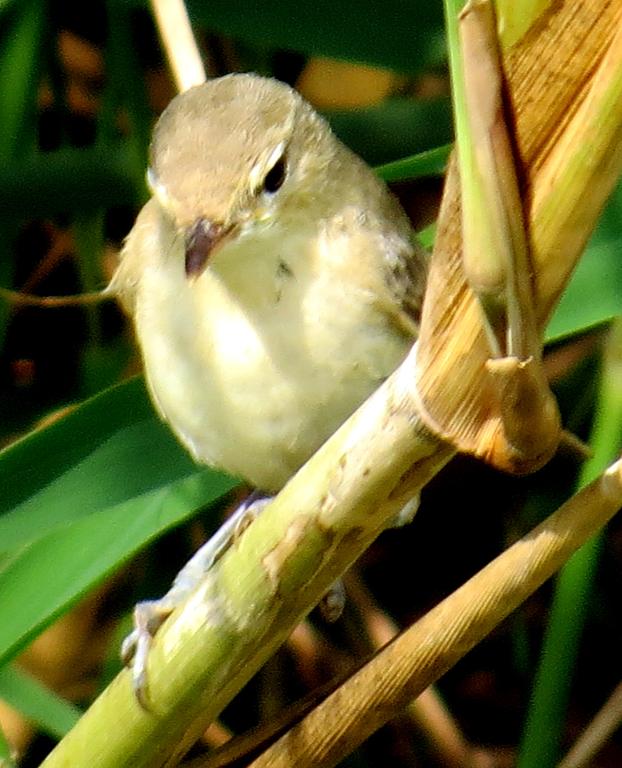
column 83, row 495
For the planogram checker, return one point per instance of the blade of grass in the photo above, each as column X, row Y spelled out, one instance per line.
column 598, row 275
column 128, row 92
column 50, row 575
column 80, row 497
column 393, row 129
column 89, row 238
column 96, row 456
column 429, row 163
column 23, row 26
column 544, row 725
column 101, row 364
column 19, row 65
column 70, row 179
column 38, row 703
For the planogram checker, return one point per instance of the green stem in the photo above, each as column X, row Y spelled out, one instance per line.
column 544, row 728
column 19, row 73
column 23, row 28
column 452, row 10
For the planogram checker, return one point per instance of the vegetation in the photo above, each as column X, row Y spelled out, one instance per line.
column 99, row 506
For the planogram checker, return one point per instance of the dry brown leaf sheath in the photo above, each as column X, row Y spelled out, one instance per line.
column 560, row 85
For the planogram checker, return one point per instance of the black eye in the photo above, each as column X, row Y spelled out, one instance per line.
column 276, row 176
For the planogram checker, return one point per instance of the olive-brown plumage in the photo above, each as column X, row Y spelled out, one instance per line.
column 273, row 280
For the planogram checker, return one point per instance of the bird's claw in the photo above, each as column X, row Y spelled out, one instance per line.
column 148, row 618
column 332, row 604
column 151, row 614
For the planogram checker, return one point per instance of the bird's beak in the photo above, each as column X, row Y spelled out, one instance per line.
column 202, row 240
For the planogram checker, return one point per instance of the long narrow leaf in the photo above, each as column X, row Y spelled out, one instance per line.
column 109, row 450
column 25, row 694
column 52, row 573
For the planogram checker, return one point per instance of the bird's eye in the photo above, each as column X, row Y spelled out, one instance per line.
column 273, row 180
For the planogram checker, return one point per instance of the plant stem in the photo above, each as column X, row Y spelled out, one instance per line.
column 544, row 726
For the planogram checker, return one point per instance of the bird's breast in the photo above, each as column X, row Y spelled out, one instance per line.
column 255, row 363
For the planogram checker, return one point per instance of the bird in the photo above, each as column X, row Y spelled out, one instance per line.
column 273, row 280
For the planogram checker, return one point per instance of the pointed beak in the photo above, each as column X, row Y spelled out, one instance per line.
column 202, row 240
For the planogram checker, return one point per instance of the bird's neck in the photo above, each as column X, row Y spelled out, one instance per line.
column 260, row 268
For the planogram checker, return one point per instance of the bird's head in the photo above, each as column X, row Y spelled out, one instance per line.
column 247, row 152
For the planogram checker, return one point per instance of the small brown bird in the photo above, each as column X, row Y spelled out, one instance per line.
column 273, row 280
column 274, row 283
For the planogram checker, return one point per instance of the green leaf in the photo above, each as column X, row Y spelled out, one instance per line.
column 82, row 496
column 594, row 295
column 71, row 179
column 391, row 34
column 110, row 449
column 38, row 703
column 50, row 574
column 393, row 129
column 23, row 25
column 430, row 163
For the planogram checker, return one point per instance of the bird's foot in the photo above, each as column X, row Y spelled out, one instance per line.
column 151, row 614
column 332, row 604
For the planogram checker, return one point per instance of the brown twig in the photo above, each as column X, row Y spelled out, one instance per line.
column 596, row 734
column 422, row 653
column 179, row 43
